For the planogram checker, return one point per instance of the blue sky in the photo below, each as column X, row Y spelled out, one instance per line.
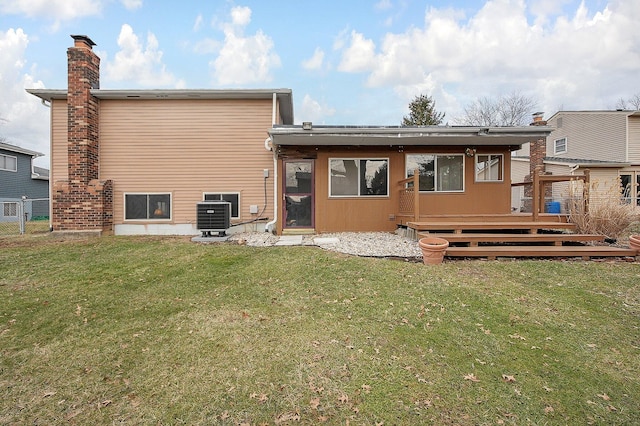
column 347, row 62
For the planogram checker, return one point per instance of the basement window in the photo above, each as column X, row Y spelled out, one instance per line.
column 8, row 163
column 356, row 177
column 147, row 206
column 231, row 197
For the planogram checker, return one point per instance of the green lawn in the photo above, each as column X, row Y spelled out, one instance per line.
column 164, row 331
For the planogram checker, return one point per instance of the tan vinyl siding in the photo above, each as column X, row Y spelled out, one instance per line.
column 519, row 170
column 59, row 157
column 590, row 135
column 559, row 190
column 634, row 140
column 604, row 183
column 187, row 148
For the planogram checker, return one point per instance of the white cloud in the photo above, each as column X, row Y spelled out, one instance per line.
column 314, row 111
column 140, row 64
column 359, row 56
column 315, row 62
column 25, row 122
column 584, row 59
column 383, row 5
column 198, row 23
column 243, row 59
column 54, row 10
column 207, row 46
column 131, row 4
column 240, row 16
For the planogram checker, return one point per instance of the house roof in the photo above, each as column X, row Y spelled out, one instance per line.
column 599, row 112
column 19, row 150
column 578, row 162
column 406, row 136
column 40, row 173
column 284, row 96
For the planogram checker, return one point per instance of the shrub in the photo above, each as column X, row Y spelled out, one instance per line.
column 606, row 212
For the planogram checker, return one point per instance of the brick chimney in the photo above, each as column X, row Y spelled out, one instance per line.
column 537, row 154
column 538, row 148
column 82, row 110
column 83, row 203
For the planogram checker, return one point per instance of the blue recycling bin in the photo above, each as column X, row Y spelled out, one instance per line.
column 552, row 207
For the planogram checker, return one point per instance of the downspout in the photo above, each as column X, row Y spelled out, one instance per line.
column 48, row 105
column 269, row 226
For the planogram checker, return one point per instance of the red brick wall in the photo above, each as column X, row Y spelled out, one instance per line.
column 83, row 202
column 537, row 153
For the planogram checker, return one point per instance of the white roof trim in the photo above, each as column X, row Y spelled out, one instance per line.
column 13, row 148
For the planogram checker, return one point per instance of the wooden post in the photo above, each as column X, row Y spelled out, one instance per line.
column 585, row 189
column 535, row 199
column 416, row 195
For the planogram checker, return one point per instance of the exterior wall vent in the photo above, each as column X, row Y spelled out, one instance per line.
column 213, row 216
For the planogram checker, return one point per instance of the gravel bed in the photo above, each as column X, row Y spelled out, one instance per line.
column 367, row 244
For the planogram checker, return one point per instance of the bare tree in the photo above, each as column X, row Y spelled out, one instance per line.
column 510, row 110
column 632, row 103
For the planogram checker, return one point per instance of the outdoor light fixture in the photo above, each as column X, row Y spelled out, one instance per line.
column 306, row 125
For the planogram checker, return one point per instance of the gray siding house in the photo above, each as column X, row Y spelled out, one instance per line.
column 20, row 178
column 607, row 143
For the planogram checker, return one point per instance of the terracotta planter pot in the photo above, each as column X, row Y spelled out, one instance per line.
column 634, row 242
column 433, row 249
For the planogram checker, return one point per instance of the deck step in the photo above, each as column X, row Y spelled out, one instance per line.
column 506, row 218
column 474, row 238
column 463, row 226
column 585, row 252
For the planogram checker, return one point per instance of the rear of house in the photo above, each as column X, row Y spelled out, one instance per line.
column 350, row 178
column 139, row 161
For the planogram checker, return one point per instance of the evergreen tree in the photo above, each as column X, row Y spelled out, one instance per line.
column 422, row 112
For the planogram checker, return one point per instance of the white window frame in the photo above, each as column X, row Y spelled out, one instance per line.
column 358, row 160
column 435, row 181
column 555, row 146
column 239, row 209
column 491, row 156
column 6, row 204
column 3, row 163
column 160, row 219
column 630, row 193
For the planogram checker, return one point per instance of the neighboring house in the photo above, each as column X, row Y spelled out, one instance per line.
column 20, row 178
column 607, row 143
column 139, row 161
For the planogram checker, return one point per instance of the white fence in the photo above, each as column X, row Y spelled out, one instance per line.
column 24, row 216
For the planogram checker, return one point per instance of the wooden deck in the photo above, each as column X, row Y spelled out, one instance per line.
column 515, row 236
column 535, row 234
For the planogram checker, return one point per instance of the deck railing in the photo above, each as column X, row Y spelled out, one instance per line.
column 409, row 196
column 541, row 180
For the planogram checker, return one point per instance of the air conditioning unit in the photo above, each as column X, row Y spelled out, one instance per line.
column 213, row 216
